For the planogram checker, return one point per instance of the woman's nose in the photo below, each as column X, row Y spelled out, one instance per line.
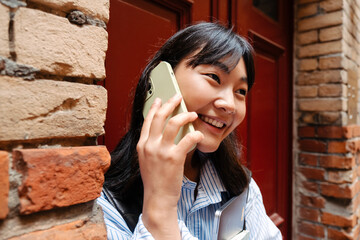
column 226, row 103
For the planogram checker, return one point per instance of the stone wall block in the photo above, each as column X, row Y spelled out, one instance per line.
column 308, row 37
column 333, row 62
column 306, row 91
column 98, row 8
column 331, row 5
column 78, row 230
column 321, row 21
column 331, row 34
column 4, row 184
column 55, row 46
column 60, row 177
column 47, row 109
column 320, row 49
column 4, row 31
column 318, row 77
column 329, row 104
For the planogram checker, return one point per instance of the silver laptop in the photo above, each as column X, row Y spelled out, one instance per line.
column 230, row 219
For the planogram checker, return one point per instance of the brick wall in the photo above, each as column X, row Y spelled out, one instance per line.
column 52, row 55
column 327, row 137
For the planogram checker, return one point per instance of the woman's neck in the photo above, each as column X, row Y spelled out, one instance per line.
column 192, row 167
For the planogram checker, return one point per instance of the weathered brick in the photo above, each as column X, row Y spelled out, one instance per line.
column 310, row 186
column 98, row 8
column 307, row 1
column 46, row 109
column 331, row 62
column 308, row 37
column 60, row 177
column 309, row 214
column 312, row 201
column 4, row 36
column 312, row 173
column 317, row 77
column 320, row 49
column 338, row 191
column 333, row 161
column 306, row 131
column 328, row 118
column 341, row 176
column 306, row 91
column 331, row 5
column 338, row 234
column 308, row 159
column 330, row 34
column 321, row 21
column 332, row 132
column 308, row 64
column 310, row 145
column 338, row 220
column 332, row 90
column 78, row 230
column 337, row 147
column 4, row 184
column 54, row 45
column 312, row 229
column 307, row 10
column 329, row 104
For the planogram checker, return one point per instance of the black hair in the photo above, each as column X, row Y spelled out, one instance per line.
column 206, row 43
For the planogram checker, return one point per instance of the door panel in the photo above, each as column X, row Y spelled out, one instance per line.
column 136, row 30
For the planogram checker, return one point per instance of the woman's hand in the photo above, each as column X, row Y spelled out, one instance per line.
column 162, row 166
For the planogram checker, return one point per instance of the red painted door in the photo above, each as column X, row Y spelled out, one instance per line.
column 266, row 133
column 138, row 27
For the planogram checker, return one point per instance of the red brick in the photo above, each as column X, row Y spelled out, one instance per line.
column 338, row 191
column 355, row 130
column 330, row 132
column 312, row 145
column 4, row 184
column 60, row 177
column 338, row 235
column 313, row 173
column 312, row 201
column 310, row 186
column 306, row 132
column 341, row 176
column 78, row 230
column 309, row 214
column 337, row 147
column 308, row 159
column 338, row 220
column 332, row 161
column 305, row 238
column 312, row 229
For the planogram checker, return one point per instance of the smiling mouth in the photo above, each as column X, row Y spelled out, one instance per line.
column 212, row 122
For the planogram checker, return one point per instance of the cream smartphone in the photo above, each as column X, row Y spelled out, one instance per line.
column 163, row 85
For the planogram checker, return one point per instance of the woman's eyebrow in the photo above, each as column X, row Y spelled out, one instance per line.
column 222, row 66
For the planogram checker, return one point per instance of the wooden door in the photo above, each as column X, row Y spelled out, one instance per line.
column 138, row 27
column 266, row 132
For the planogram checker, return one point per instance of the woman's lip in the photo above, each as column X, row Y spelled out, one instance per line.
column 219, row 121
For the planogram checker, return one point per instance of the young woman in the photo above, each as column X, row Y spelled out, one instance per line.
column 156, row 189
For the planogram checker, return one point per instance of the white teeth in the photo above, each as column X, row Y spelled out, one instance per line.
column 212, row 122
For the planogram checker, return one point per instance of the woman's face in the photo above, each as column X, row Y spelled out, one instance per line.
column 217, row 96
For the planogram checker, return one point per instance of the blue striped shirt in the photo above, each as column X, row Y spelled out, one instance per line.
column 196, row 216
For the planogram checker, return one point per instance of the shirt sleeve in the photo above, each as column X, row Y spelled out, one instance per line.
column 117, row 228
column 257, row 221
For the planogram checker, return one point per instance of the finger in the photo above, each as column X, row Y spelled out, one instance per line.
column 175, row 123
column 148, row 119
column 188, row 142
column 161, row 115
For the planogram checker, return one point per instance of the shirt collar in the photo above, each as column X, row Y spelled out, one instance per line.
column 211, row 182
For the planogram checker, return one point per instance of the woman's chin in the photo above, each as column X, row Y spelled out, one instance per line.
column 207, row 148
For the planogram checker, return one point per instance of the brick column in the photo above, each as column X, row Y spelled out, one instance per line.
column 52, row 110
column 327, row 147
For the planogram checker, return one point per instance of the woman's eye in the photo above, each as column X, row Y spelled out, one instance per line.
column 213, row 76
column 242, row 92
